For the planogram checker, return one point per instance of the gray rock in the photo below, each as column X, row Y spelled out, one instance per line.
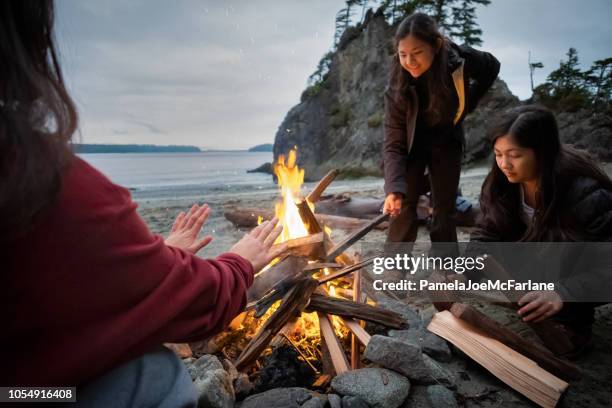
column 408, row 314
column 432, row 344
column 215, row 390
column 213, row 383
column 378, row 387
column 417, row 398
column 441, row 397
column 293, row 397
column 334, row 401
column 199, row 367
column 407, row 359
column 353, row 402
column 314, row 402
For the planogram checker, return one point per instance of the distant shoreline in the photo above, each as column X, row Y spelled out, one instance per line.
column 83, row 148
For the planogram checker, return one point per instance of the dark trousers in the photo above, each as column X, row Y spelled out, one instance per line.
column 444, row 164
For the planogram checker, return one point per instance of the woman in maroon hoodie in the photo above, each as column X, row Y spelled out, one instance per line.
column 88, row 293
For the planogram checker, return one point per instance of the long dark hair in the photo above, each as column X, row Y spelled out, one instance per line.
column 559, row 165
column 37, row 116
column 425, row 29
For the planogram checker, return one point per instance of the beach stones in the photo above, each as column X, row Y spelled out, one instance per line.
column 408, row 314
column 378, row 387
column 431, row 344
column 441, row 397
column 292, row 397
column 407, row 359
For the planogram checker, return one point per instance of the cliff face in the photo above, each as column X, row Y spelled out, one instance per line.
column 340, row 124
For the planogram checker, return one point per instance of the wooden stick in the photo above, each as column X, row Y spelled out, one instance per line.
column 555, row 339
column 293, row 303
column 247, row 218
column 308, row 217
column 347, row 270
column 320, row 265
column 350, row 309
column 299, row 352
column 354, row 237
column 491, row 328
column 338, row 357
column 317, row 191
column 358, row 331
column 355, row 349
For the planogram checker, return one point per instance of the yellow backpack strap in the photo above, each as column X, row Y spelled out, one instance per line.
column 460, row 88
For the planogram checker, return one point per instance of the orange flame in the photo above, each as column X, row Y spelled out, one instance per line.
column 290, row 180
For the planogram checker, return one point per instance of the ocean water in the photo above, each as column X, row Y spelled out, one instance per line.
column 222, row 176
column 184, row 175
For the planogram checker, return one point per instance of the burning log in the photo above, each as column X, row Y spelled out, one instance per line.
column 334, row 347
column 293, row 303
column 338, row 249
column 308, row 246
column 316, row 192
column 308, row 217
column 542, row 356
column 265, row 281
column 350, row 309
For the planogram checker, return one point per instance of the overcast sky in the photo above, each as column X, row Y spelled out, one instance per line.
column 223, row 74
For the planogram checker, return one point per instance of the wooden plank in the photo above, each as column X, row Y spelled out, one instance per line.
column 309, row 246
column 354, row 237
column 441, row 299
column 493, row 329
column 359, row 332
column 337, row 355
column 354, row 310
column 517, row 371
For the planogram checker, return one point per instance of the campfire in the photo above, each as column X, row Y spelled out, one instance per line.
column 308, row 298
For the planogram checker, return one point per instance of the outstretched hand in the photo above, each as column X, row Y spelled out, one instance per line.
column 539, row 305
column 256, row 246
column 186, row 228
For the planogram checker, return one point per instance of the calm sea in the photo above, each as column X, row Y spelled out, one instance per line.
column 154, row 177
column 184, row 175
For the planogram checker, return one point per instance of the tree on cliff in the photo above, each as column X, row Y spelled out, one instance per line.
column 568, row 88
column 456, row 17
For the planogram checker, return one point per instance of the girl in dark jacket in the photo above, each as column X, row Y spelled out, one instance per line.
column 539, row 190
column 433, row 85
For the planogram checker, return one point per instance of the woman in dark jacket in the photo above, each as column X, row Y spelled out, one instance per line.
column 433, row 85
column 539, row 190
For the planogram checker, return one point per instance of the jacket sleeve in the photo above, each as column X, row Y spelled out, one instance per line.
column 482, row 69
column 592, row 210
column 149, row 292
column 395, row 148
